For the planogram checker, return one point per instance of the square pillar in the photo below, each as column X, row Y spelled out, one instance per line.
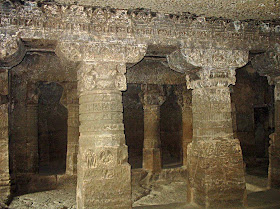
column 152, row 98
column 103, row 172
column 5, row 186
column 214, row 162
column 71, row 102
column 274, row 148
column 32, row 149
column 184, row 99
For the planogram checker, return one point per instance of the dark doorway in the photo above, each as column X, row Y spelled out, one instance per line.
column 171, row 131
column 52, row 130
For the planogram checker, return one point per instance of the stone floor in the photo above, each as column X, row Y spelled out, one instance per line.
column 157, row 195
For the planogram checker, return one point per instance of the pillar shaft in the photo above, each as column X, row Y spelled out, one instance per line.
column 274, row 148
column 187, row 129
column 72, row 138
column 184, row 99
column 215, row 162
column 4, row 139
column 32, row 138
column 104, row 179
column 72, row 103
column 152, row 99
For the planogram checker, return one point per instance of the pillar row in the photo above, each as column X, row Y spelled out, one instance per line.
column 274, row 148
column 153, row 97
column 214, row 159
column 103, row 172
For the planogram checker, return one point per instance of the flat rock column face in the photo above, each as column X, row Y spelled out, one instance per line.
column 153, row 98
column 4, row 139
column 274, row 148
column 32, row 129
column 215, row 162
column 72, row 104
column 184, row 99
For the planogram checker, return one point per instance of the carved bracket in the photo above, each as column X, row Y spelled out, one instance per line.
column 12, row 49
column 101, row 51
column 152, row 95
column 211, row 77
column 215, row 58
column 268, row 63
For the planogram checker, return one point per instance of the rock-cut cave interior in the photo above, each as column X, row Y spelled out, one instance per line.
column 141, row 104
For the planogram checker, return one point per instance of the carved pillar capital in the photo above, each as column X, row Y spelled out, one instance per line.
column 101, row 51
column 152, row 95
column 70, row 93
column 215, row 58
column 268, row 64
column 211, row 78
column 184, row 97
column 12, row 49
column 218, row 66
column 32, row 95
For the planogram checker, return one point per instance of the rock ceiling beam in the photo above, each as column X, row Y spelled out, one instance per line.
column 83, row 24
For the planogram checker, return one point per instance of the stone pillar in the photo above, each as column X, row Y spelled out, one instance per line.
column 5, row 189
column 274, row 148
column 153, row 97
column 32, row 150
column 215, row 163
column 72, row 104
column 184, row 99
column 103, row 173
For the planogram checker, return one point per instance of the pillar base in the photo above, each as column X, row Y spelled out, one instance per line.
column 152, row 159
column 216, row 173
column 5, row 189
column 105, row 188
column 274, row 163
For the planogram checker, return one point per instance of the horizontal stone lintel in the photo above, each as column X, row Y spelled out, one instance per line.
column 86, row 24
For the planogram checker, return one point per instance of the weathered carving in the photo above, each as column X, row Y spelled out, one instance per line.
column 101, row 76
column 184, row 96
column 106, row 157
column 4, row 82
column 215, row 58
column 101, row 52
column 268, row 63
column 12, row 50
column 177, row 62
column 152, row 95
column 78, row 23
column 32, row 93
column 90, row 159
column 211, row 77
